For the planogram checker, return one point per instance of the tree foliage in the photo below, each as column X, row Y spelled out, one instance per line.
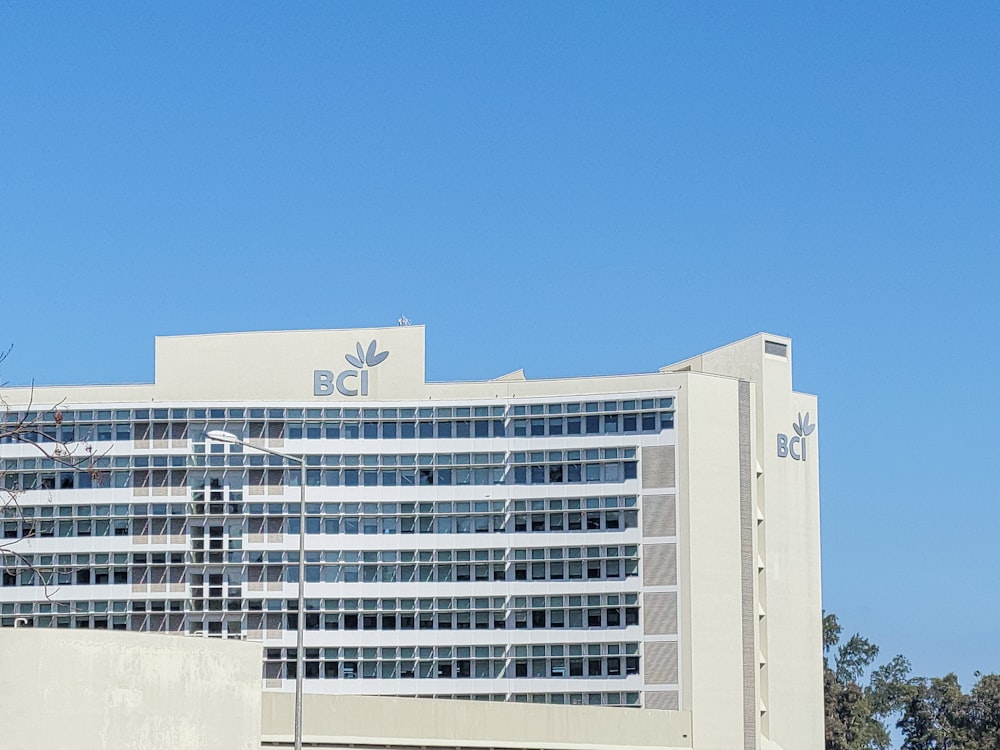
column 939, row 716
column 860, row 701
column 863, row 702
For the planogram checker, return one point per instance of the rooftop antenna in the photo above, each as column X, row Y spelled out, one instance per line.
column 404, row 321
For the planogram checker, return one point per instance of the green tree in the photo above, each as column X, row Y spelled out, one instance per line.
column 985, row 709
column 860, row 700
column 939, row 716
column 936, row 716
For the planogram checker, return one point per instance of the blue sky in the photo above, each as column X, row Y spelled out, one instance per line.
column 569, row 188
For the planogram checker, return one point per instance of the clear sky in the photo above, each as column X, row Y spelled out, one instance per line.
column 565, row 187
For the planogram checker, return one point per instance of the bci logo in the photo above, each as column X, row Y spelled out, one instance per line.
column 796, row 446
column 350, row 382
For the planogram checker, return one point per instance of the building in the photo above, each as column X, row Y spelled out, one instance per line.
column 635, row 540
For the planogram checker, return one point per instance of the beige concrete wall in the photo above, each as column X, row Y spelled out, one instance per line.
column 104, row 690
column 332, row 720
column 711, row 632
column 790, row 685
column 794, row 601
column 268, row 364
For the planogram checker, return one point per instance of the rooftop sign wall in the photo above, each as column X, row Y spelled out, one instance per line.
column 293, row 365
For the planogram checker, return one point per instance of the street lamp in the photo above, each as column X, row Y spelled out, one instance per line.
column 222, row 436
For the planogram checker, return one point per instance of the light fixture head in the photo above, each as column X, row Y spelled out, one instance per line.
column 222, row 436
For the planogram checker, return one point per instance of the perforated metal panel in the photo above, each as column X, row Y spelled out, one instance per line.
column 659, row 466
column 659, row 515
column 661, row 700
column 660, row 658
column 660, row 613
column 659, row 564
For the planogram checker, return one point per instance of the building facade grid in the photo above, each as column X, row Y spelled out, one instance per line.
column 427, row 528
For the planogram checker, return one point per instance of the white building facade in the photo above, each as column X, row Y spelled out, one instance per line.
column 637, row 540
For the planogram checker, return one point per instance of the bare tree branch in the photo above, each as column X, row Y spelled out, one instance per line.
column 32, row 427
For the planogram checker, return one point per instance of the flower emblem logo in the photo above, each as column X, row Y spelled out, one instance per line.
column 353, row 381
column 802, row 427
column 369, row 357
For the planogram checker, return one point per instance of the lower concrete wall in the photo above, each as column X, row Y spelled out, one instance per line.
column 105, row 690
column 97, row 690
column 340, row 720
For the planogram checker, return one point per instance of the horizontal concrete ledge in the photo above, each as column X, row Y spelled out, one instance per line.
column 387, row 744
column 341, row 721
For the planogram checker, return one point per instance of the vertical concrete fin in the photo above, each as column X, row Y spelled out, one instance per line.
column 747, row 572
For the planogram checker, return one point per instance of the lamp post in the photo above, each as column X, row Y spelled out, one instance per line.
column 222, row 436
